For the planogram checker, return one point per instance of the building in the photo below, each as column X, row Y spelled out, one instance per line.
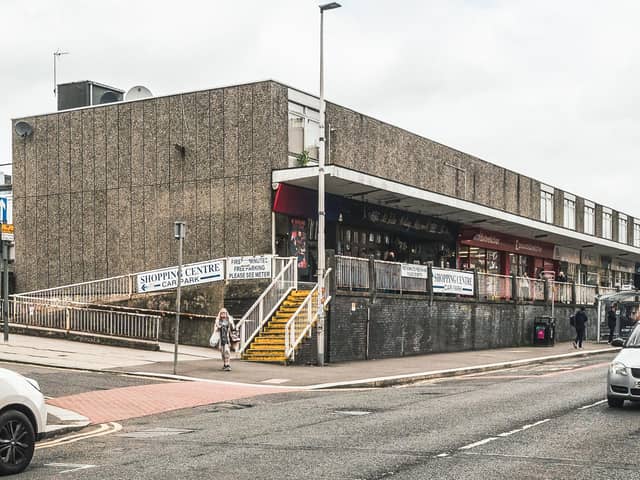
column 97, row 189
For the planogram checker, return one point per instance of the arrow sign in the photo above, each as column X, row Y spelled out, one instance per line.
column 192, row 274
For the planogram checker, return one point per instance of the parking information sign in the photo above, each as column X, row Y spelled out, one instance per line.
column 245, row 268
column 192, row 274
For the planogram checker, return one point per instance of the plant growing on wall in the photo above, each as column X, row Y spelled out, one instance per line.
column 303, row 158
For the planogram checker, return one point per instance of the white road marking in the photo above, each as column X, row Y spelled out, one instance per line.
column 477, row 444
column 71, row 467
column 441, row 455
column 592, row 405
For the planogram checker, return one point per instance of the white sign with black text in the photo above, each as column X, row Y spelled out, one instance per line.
column 249, row 268
column 414, row 271
column 452, row 281
column 192, row 274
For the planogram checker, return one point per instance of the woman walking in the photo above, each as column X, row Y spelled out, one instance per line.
column 225, row 327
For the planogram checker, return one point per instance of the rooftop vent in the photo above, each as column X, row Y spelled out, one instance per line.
column 86, row 93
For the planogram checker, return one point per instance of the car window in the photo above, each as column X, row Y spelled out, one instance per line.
column 634, row 338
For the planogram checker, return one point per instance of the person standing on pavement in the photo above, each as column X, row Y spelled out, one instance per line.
column 580, row 324
column 226, row 328
column 611, row 322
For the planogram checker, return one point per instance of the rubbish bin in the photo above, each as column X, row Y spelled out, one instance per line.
column 544, row 331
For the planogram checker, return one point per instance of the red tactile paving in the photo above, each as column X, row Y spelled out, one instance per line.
column 131, row 402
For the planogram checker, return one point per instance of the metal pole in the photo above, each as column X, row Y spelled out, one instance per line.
column 5, row 289
column 55, row 86
column 179, row 234
column 321, row 244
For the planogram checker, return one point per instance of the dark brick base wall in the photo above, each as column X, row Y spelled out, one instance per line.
column 400, row 326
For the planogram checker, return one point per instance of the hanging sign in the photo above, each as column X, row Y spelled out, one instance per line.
column 452, row 281
column 414, row 271
column 248, row 268
column 192, row 274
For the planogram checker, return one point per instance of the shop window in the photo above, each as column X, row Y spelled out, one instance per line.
column 622, row 228
column 636, row 234
column 569, row 211
column 589, row 218
column 606, row 224
column 546, row 204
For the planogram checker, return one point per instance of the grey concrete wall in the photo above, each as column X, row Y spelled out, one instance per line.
column 409, row 326
column 97, row 190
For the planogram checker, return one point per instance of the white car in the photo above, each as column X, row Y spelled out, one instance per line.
column 23, row 418
column 623, row 379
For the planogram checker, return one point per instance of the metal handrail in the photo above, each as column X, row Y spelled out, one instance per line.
column 291, row 340
column 286, row 280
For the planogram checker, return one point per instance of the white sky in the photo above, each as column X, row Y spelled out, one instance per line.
column 544, row 87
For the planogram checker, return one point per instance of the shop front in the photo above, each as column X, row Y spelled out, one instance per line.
column 497, row 253
column 358, row 229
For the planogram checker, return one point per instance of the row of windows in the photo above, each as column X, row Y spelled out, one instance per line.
column 569, row 219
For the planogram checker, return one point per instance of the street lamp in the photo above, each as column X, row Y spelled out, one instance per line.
column 321, row 212
column 179, row 230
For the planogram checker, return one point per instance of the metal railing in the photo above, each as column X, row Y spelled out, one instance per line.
column 92, row 291
column 388, row 275
column 301, row 322
column 562, row 292
column 352, row 273
column 43, row 314
column 494, row 287
column 607, row 290
column 267, row 303
column 586, row 294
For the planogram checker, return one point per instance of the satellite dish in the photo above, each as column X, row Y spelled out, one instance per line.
column 109, row 97
column 23, row 129
column 137, row 92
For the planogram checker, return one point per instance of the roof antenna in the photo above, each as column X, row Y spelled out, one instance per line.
column 56, row 54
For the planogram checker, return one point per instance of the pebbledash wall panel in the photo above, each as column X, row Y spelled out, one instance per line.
column 97, row 189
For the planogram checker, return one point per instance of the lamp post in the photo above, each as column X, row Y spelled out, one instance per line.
column 321, row 212
column 179, row 230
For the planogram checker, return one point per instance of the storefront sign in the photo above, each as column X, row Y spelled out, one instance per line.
column 246, row 268
column 192, row 274
column 414, row 271
column 622, row 266
column 566, row 254
column 505, row 243
column 451, row 281
column 589, row 259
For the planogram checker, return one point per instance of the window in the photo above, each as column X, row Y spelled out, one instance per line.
column 622, row 228
column 589, row 218
column 304, row 133
column 569, row 211
column 546, row 204
column 636, row 234
column 606, row 224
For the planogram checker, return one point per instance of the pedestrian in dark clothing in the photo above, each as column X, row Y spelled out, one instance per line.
column 611, row 322
column 580, row 323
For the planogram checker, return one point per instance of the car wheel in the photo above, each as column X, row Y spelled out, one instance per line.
column 615, row 402
column 17, row 441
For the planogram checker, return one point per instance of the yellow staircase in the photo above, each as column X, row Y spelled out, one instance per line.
column 268, row 345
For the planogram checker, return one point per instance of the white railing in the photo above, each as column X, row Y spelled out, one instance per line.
column 267, row 303
column 301, row 322
column 494, row 287
column 562, row 292
column 530, row 288
column 352, row 273
column 585, row 294
column 43, row 314
column 607, row 290
column 388, row 275
column 92, row 291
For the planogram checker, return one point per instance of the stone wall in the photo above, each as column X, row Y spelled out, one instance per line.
column 96, row 190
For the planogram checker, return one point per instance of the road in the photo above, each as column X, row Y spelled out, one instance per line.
column 539, row 422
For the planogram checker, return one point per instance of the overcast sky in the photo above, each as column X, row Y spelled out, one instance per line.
column 546, row 88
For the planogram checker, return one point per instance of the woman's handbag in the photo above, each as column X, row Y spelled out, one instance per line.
column 214, row 340
column 234, row 335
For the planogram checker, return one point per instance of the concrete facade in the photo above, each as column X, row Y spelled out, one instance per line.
column 97, row 189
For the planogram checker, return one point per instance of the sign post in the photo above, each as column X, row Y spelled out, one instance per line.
column 7, row 239
column 178, row 233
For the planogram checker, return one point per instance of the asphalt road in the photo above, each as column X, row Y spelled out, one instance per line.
column 539, row 422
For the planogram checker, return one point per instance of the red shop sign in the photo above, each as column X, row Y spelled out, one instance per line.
column 506, row 243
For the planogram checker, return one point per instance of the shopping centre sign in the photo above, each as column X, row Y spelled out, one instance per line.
column 452, row 281
column 192, row 274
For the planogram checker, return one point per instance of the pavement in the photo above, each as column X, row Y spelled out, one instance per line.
column 201, row 381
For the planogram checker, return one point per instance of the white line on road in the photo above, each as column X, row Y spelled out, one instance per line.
column 592, row 405
column 71, row 467
column 103, row 429
column 477, row 444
